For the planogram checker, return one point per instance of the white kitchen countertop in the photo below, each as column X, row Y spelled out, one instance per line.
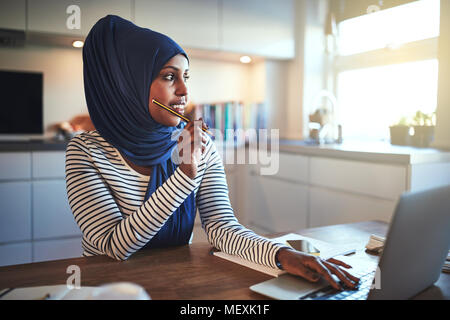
column 373, row 151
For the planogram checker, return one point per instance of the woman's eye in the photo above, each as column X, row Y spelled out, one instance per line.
column 171, row 77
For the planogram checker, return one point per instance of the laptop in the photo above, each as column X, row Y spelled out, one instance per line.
column 415, row 250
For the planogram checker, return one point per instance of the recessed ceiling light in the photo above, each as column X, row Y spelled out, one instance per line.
column 245, row 59
column 77, row 44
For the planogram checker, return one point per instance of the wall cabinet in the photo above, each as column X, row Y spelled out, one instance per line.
column 258, row 27
column 93, row 10
column 50, row 16
column 12, row 14
column 36, row 222
column 263, row 28
column 193, row 23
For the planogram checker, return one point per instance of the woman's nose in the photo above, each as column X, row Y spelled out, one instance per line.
column 182, row 89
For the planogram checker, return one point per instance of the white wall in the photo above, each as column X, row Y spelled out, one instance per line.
column 276, row 95
column 442, row 136
column 218, row 81
column 306, row 72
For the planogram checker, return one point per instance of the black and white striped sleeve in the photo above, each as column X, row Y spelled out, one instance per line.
column 219, row 222
column 105, row 229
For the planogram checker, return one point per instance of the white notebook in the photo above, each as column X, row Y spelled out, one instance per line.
column 109, row 291
column 57, row 292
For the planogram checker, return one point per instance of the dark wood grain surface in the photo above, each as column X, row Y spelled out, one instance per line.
column 188, row 272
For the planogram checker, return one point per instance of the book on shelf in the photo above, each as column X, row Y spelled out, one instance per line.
column 231, row 117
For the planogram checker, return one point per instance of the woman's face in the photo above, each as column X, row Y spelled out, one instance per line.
column 169, row 88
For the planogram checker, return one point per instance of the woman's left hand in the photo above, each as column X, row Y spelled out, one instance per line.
column 313, row 268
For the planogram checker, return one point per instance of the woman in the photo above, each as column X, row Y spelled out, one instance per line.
column 125, row 190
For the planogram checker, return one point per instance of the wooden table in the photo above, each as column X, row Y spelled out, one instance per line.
column 189, row 272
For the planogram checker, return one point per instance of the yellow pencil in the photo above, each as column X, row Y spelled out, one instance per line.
column 179, row 115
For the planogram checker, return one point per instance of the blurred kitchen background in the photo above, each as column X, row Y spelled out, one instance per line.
column 358, row 89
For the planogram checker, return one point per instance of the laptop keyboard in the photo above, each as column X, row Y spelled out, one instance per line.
column 329, row 293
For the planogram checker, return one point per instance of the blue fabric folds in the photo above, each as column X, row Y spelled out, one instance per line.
column 120, row 62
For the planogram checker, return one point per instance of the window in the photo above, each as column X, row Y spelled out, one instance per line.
column 375, row 98
column 387, row 68
column 390, row 28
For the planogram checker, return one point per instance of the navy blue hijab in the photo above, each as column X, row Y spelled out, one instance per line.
column 120, row 62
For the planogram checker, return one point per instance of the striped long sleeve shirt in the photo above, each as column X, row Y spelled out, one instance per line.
column 107, row 200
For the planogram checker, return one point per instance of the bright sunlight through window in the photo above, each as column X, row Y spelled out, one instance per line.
column 392, row 27
column 372, row 99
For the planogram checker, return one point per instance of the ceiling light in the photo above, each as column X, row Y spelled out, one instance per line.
column 77, row 44
column 245, row 59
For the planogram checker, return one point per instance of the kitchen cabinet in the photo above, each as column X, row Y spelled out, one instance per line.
column 371, row 179
column 16, row 253
column 93, row 10
column 427, row 175
column 55, row 250
column 330, row 206
column 344, row 191
column 279, row 202
column 35, row 213
column 192, row 23
column 311, row 191
column 15, row 165
column 50, row 209
column 277, row 205
column 292, row 167
column 12, row 14
column 264, row 28
column 15, row 211
column 50, row 16
column 48, row 164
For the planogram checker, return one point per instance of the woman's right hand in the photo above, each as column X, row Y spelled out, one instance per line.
column 191, row 146
column 313, row 268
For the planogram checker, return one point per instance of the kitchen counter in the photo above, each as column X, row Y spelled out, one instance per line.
column 370, row 151
column 33, row 145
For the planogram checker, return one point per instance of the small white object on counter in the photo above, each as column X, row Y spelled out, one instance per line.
column 119, row 291
column 375, row 244
column 110, row 291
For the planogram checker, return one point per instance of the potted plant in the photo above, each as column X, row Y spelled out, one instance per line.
column 400, row 133
column 423, row 125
